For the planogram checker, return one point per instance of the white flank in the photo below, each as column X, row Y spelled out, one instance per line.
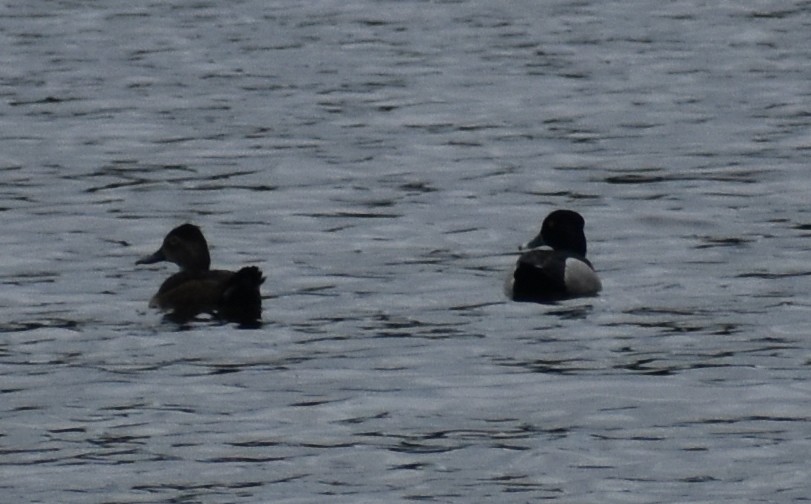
column 509, row 283
column 580, row 279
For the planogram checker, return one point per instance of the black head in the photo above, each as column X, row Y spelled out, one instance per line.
column 562, row 230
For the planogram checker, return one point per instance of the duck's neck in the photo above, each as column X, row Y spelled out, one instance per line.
column 197, row 262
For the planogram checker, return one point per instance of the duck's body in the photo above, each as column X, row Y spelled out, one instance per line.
column 196, row 289
column 544, row 275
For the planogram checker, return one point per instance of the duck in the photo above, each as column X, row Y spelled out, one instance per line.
column 231, row 296
column 553, row 265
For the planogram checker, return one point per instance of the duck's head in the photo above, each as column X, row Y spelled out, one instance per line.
column 184, row 246
column 561, row 230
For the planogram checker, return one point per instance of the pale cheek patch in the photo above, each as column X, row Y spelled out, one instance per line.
column 580, row 279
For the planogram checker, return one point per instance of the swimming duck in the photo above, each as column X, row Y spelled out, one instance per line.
column 196, row 289
column 561, row 271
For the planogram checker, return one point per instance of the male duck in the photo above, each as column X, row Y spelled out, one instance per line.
column 544, row 275
column 196, row 289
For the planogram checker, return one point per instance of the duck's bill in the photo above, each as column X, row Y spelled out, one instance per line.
column 151, row 259
column 533, row 243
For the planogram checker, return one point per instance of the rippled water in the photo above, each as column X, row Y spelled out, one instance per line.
column 381, row 161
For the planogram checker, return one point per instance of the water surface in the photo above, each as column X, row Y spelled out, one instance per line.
column 381, row 161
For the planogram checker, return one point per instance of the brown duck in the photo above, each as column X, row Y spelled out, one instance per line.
column 195, row 289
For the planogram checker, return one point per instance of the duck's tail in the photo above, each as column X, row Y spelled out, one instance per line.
column 241, row 300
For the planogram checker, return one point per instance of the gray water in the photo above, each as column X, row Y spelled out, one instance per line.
column 381, row 161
